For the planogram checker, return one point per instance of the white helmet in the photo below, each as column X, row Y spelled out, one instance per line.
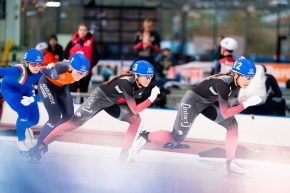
column 229, row 43
column 41, row 46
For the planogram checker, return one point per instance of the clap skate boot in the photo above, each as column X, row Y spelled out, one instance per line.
column 23, row 146
column 37, row 152
column 175, row 146
column 235, row 168
column 141, row 141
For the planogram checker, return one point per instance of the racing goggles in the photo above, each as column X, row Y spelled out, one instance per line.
column 247, row 77
column 80, row 72
column 34, row 64
column 148, row 77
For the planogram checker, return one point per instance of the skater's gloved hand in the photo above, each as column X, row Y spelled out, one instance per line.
column 27, row 100
column 50, row 65
column 154, row 93
column 253, row 100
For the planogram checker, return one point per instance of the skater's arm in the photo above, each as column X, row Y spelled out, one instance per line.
column 134, row 107
column 127, row 89
column 13, row 71
column 55, row 69
column 223, row 92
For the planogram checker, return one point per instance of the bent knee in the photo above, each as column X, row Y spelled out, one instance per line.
column 54, row 118
column 132, row 119
column 67, row 116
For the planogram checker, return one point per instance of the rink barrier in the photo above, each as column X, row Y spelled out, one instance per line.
column 268, row 130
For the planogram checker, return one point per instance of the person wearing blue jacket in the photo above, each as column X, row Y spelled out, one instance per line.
column 17, row 90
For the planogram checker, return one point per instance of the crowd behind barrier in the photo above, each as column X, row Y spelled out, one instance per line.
column 192, row 72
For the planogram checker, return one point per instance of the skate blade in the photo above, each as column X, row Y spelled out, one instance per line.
column 234, row 173
column 136, row 149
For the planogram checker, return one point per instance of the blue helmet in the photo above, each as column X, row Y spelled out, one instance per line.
column 33, row 55
column 244, row 67
column 79, row 62
column 143, row 67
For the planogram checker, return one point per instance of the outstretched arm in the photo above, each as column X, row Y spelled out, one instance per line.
column 12, row 71
column 136, row 109
column 228, row 111
column 50, row 71
column 223, row 91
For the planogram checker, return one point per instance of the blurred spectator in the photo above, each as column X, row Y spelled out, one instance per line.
column 274, row 104
column 228, row 45
column 48, row 56
column 179, row 81
column 176, row 25
column 217, row 56
column 55, row 48
column 147, row 43
column 164, row 61
column 288, row 84
column 106, row 73
column 82, row 42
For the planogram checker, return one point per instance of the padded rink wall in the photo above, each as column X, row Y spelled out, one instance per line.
column 268, row 130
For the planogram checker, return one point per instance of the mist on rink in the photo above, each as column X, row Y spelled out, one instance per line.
column 79, row 168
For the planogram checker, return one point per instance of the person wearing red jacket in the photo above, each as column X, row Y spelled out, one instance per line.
column 82, row 42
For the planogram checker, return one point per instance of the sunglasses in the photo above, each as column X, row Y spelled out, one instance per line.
column 34, row 64
column 148, row 77
column 247, row 77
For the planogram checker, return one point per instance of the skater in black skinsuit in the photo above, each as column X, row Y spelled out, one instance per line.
column 210, row 98
column 117, row 97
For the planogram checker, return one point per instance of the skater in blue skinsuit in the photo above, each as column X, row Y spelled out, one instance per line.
column 17, row 91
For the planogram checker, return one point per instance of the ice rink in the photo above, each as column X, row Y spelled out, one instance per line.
column 89, row 168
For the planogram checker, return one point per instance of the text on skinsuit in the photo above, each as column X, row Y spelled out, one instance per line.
column 46, row 93
column 88, row 104
column 42, row 90
column 184, row 115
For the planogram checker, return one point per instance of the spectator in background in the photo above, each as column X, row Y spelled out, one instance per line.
column 147, row 43
column 106, row 73
column 274, row 104
column 228, row 45
column 82, row 42
column 48, row 56
column 164, row 61
column 55, row 48
column 217, row 56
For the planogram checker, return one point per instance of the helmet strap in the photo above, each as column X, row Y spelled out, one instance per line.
column 138, row 84
column 28, row 70
column 236, row 80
